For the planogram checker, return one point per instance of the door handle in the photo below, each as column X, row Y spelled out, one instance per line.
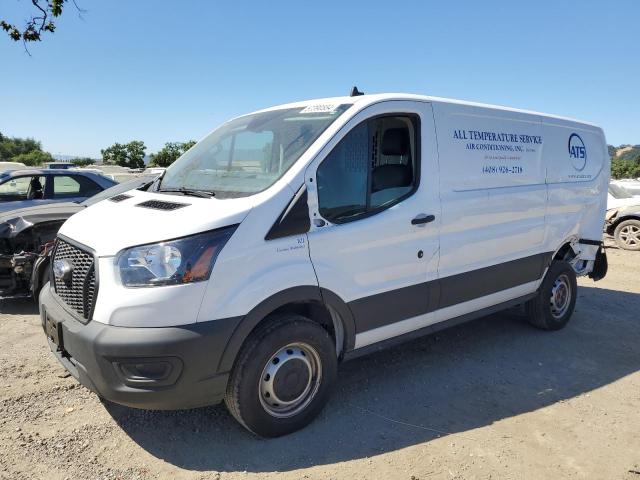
column 419, row 220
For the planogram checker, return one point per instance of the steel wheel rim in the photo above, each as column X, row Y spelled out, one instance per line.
column 630, row 235
column 290, row 380
column 560, row 296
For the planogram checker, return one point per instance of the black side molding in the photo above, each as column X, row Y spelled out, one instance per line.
column 586, row 241
column 294, row 220
column 436, row 327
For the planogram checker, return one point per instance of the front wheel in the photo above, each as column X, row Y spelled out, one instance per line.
column 283, row 376
column 551, row 309
column 627, row 234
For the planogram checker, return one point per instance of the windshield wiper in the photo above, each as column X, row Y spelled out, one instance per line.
column 188, row 191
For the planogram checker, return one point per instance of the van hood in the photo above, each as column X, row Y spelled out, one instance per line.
column 145, row 217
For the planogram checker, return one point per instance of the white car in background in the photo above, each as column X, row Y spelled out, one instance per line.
column 630, row 185
column 5, row 166
column 622, row 220
column 619, row 196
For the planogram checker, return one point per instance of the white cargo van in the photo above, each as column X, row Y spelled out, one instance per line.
column 298, row 236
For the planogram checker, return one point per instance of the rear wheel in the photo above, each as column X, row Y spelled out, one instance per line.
column 627, row 234
column 551, row 309
column 283, row 376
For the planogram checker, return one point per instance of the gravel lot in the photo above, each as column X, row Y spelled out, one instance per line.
column 494, row 398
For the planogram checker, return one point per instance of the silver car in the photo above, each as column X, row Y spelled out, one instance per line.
column 28, row 188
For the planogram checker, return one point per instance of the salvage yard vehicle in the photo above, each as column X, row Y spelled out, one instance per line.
column 622, row 220
column 302, row 235
column 27, row 235
column 31, row 187
column 630, row 185
column 5, row 166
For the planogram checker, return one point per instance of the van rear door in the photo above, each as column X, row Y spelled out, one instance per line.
column 373, row 197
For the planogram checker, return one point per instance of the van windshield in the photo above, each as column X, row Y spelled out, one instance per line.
column 249, row 154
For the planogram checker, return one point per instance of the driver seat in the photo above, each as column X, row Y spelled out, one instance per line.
column 35, row 189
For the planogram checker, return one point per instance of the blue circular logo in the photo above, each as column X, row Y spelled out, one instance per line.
column 577, row 152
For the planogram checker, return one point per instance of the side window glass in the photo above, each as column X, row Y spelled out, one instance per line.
column 342, row 177
column 373, row 167
column 392, row 175
column 64, row 186
column 23, row 188
column 88, row 188
column 15, row 188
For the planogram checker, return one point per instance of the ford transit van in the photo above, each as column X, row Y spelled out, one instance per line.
column 296, row 237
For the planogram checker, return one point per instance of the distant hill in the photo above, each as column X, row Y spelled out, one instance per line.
column 624, row 152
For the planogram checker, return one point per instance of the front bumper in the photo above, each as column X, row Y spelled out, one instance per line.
column 162, row 368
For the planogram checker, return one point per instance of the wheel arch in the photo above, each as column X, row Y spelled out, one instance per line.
column 318, row 304
column 563, row 250
column 618, row 219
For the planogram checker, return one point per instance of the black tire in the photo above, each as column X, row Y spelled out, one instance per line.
column 550, row 309
column 288, row 346
column 627, row 235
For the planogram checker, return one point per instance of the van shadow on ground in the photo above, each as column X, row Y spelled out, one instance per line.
column 461, row 379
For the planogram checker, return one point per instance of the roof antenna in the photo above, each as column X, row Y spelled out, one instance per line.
column 355, row 92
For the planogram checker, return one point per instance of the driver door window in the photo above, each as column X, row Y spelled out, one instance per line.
column 374, row 166
column 23, row 188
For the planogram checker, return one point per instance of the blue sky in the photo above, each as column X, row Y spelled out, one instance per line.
column 164, row 71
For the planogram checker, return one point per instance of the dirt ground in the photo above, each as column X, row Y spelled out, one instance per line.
column 491, row 399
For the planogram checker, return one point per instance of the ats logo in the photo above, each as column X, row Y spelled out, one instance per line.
column 577, row 152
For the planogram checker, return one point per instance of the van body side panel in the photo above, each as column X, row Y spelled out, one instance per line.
column 458, row 295
column 251, row 269
column 493, row 204
column 578, row 167
column 492, row 187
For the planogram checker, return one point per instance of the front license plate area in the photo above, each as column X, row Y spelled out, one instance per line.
column 53, row 329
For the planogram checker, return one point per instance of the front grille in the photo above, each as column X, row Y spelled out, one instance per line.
column 78, row 291
column 162, row 205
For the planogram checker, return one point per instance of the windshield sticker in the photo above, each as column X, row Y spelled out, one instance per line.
column 320, row 108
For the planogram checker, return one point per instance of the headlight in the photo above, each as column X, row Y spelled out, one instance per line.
column 184, row 260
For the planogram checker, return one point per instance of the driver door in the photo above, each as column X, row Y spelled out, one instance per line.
column 373, row 198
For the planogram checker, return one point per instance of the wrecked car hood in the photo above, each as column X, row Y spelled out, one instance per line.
column 15, row 221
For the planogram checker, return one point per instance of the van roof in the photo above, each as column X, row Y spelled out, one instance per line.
column 374, row 98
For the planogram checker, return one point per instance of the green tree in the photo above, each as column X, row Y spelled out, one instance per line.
column 129, row 155
column 116, row 154
column 625, row 168
column 40, row 22
column 170, row 153
column 33, row 158
column 135, row 153
column 12, row 146
column 83, row 162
